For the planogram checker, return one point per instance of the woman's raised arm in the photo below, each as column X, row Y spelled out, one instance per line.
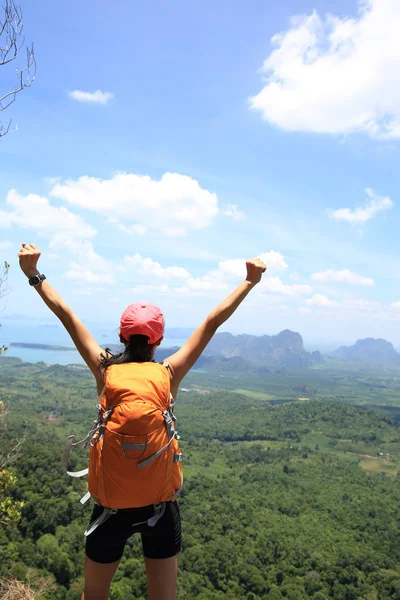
column 183, row 360
column 85, row 343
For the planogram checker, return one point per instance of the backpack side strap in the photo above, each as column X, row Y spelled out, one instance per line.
column 93, row 435
column 69, row 444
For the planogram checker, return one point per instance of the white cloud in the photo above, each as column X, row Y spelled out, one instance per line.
column 275, row 285
column 80, row 272
column 36, row 214
column 301, row 289
column 164, row 289
column 304, row 311
column 97, row 97
column 51, row 180
column 357, row 305
column 173, row 205
column 396, row 305
column 5, row 245
column 362, row 214
column 236, row 267
column 231, row 270
column 231, row 210
column 212, row 281
column 147, row 266
column 320, row 300
column 336, row 75
column 133, row 229
column 274, row 261
column 344, row 276
column 91, row 268
column 65, row 230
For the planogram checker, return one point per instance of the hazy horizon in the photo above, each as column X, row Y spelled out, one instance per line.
column 17, row 330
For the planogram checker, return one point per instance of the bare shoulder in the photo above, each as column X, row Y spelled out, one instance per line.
column 174, row 384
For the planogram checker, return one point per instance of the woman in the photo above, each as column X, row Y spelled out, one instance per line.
column 141, row 332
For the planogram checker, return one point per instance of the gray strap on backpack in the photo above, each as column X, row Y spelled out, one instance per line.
column 65, row 459
column 85, row 498
column 78, row 473
column 172, row 434
column 105, row 515
column 146, row 462
column 159, row 510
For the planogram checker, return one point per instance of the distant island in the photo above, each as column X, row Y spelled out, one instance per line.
column 43, row 347
column 370, row 350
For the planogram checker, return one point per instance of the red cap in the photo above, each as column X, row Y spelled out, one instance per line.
column 142, row 318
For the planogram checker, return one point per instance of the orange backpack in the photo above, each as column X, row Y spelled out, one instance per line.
column 134, row 453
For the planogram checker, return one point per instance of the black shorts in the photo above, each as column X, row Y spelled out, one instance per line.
column 106, row 544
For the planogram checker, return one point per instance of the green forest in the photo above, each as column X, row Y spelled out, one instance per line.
column 292, row 485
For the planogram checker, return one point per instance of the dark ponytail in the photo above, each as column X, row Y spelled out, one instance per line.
column 137, row 349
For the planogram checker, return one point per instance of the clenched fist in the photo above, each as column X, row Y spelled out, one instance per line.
column 28, row 258
column 255, row 269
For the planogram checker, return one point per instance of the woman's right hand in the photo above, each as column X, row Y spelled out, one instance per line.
column 255, row 269
column 28, row 258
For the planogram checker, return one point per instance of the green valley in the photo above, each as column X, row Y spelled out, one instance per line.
column 291, row 484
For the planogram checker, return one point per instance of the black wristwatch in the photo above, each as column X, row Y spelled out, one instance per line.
column 36, row 279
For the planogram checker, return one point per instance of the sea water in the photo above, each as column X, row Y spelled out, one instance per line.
column 63, row 357
column 55, row 335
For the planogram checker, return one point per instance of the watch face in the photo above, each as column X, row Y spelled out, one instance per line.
column 35, row 280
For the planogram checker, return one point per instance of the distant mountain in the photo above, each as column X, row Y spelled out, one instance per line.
column 284, row 349
column 218, row 364
column 250, row 353
column 370, row 350
column 227, row 352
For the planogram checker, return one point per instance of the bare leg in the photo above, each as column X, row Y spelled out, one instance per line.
column 98, row 577
column 161, row 574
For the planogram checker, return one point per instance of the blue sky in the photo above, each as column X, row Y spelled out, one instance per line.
column 198, row 158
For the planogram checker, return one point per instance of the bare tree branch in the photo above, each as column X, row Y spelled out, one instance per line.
column 35, row 587
column 7, row 454
column 11, row 43
column 4, row 290
column 11, row 31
